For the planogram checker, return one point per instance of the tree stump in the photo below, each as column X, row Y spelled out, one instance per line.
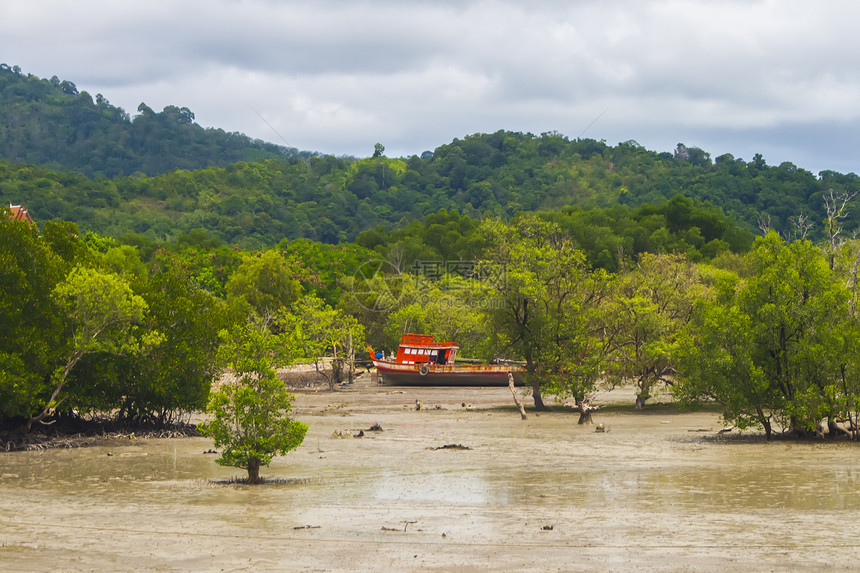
column 585, row 407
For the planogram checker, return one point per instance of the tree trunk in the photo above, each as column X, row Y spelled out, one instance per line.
column 644, row 382
column 765, row 422
column 52, row 402
column 516, row 398
column 336, row 371
column 539, row 405
column 254, row 470
column 321, row 371
column 351, row 373
column 530, row 369
column 798, row 430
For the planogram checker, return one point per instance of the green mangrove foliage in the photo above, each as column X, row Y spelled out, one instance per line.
column 647, row 306
column 768, row 335
column 315, row 331
column 89, row 332
column 778, row 348
column 548, row 302
column 250, row 414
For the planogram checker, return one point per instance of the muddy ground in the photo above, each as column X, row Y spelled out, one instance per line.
column 656, row 491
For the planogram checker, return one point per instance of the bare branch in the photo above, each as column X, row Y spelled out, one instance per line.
column 798, row 230
column 764, row 223
column 836, row 205
column 802, row 226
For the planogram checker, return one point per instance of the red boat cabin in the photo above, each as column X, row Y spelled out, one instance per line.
column 420, row 349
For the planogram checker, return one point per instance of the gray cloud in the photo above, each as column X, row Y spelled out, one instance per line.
column 768, row 76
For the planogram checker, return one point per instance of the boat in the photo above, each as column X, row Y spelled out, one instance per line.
column 420, row 361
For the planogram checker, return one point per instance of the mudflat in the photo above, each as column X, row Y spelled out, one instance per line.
column 461, row 485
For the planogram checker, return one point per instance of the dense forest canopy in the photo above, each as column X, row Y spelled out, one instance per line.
column 161, row 176
column 334, row 200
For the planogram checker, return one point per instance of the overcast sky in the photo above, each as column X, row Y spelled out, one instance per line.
column 776, row 77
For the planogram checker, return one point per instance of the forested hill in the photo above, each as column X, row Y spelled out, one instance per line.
column 159, row 176
column 51, row 124
column 333, row 199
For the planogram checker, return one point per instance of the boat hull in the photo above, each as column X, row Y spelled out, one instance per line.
column 394, row 374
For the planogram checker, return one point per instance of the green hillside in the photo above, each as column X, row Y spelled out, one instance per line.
column 332, row 199
column 51, row 124
column 160, row 177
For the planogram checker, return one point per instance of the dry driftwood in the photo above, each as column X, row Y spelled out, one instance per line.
column 516, row 398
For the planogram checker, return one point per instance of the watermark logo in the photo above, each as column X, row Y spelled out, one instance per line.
column 446, row 273
column 379, row 286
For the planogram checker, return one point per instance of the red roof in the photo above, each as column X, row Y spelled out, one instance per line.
column 19, row 213
column 424, row 341
column 420, row 349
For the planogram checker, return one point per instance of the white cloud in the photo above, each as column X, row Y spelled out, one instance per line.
column 337, row 76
